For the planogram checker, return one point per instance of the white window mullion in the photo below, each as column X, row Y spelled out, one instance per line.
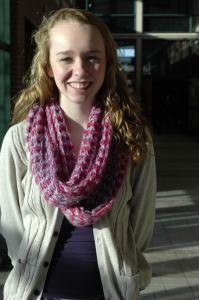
column 139, row 29
column 139, row 16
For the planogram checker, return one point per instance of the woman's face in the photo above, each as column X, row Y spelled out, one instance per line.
column 77, row 61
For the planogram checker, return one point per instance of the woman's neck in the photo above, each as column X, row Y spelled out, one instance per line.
column 76, row 115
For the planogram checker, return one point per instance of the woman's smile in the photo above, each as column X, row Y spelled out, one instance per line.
column 80, row 88
column 77, row 62
column 79, row 85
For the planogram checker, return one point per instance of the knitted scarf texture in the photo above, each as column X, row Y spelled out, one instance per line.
column 85, row 188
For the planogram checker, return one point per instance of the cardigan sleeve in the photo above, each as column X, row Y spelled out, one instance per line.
column 143, row 202
column 12, row 170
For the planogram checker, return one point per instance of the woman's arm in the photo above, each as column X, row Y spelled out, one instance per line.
column 12, row 170
column 142, row 215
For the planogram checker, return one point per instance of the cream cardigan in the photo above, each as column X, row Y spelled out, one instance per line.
column 31, row 226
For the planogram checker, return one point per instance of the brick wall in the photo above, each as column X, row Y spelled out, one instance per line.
column 19, row 11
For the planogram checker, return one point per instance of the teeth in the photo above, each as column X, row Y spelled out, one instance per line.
column 79, row 85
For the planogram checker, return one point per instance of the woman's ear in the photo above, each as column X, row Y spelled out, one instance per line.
column 50, row 71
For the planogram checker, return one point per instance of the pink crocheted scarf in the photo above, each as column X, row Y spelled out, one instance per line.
column 84, row 189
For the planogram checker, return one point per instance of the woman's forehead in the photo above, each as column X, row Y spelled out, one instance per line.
column 75, row 28
column 76, row 34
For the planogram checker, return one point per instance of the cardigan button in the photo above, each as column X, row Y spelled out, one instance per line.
column 19, row 261
column 55, row 234
column 122, row 273
column 46, row 264
column 36, row 292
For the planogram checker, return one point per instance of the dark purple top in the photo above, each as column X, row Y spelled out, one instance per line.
column 73, row 272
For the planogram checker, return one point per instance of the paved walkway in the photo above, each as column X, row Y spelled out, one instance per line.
column 174, row 248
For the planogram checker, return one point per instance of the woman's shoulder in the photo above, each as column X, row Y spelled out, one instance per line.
column 17, row 133
column 19, row 127
column 15, row 140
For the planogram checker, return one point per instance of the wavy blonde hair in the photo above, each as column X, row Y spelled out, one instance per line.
column 128, row 123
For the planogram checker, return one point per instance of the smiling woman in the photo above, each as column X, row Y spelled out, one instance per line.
column 77, row 74
column 77, row 168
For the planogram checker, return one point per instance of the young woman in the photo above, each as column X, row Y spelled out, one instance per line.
column 77, row 168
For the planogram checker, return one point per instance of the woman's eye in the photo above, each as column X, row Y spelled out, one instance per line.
column 66, row 59
column 92, row 58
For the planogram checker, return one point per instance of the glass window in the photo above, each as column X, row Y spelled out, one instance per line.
column 195, row 24
column 119, row 24
column 4, row 93
column 5, row 21
column 166, row 7
column 111, row 6
column 4, row 67
column 126, row 57
column 1, row 21
column 195, row 7
column 168, row 69
column 165, row 57
column 80, row 4
column 195, row 59
column 1, row 95
column 160, row 24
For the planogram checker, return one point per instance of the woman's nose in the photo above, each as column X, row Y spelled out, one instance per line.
column 80, row 68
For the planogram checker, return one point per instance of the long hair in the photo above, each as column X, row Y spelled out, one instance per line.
column 128, row 123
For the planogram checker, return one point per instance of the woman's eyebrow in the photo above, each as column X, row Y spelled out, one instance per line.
column 94, row 51
column 72, row 52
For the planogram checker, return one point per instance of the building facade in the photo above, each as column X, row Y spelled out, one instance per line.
column 159, row 43
column 159, row 50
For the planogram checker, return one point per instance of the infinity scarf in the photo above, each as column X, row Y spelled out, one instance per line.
column 84, row 189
